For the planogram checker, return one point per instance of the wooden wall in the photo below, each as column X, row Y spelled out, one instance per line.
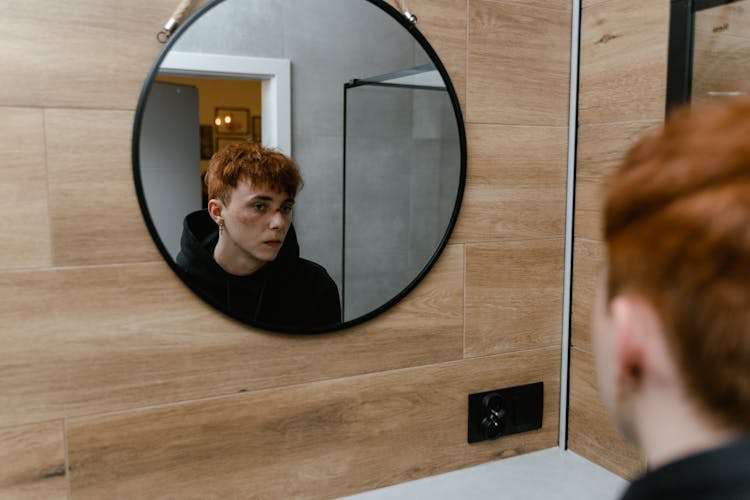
column 116, row 381
column 622, row 88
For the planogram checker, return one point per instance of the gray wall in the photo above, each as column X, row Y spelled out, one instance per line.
column 402, row 153
column 170, row 158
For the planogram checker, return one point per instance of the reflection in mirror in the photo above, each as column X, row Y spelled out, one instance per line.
column 721, row 52
column 347, row 90
column 709, row 50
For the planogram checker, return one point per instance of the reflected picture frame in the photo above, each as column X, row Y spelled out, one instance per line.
column 232, row 121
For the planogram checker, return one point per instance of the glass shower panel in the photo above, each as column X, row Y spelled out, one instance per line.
column 401, row 145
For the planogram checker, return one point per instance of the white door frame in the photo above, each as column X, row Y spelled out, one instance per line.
column 275, row 75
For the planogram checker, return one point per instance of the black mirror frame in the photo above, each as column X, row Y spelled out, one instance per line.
column 414, row 31
column 681, row 40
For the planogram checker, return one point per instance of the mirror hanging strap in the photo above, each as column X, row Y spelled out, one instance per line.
column 174, row 21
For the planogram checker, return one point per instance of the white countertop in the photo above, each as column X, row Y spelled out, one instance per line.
column 551, row 474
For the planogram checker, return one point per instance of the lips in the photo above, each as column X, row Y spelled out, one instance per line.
column 273, row 243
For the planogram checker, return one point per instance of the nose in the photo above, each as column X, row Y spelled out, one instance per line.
column 277, row 221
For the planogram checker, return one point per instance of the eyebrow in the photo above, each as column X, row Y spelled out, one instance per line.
column 263, row 197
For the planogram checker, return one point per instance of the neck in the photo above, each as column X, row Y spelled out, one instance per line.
column 234, row 261
column 670, row 427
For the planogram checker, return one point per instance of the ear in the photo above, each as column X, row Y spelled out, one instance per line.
column 215, row 209
column 642, row 350
column 636, row 325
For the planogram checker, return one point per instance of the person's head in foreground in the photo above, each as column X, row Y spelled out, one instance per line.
column 671, row 326
column 251, row 192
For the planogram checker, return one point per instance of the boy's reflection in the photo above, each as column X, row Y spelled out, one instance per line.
column 242, row 251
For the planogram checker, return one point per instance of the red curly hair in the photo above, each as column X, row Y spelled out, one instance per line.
column 249, row 161
column 677, row 228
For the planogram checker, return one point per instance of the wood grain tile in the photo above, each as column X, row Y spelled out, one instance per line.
column 319, row 440
column 24, row 217
column 731, row 19
column 588, row 257
column 519, row 64
column 93, row 204
column 122, row 333
column 515, row 186
column 564, row 5
column 589, row 3
column 720, row 65
column 622, row 79
column 88, row 53
column 601, row 149
column 33, row 462
column 623, row 61
column 513, row 296
column 443, row 23
column 591, row 432
column 86, row 340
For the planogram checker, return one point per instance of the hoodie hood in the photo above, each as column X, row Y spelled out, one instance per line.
column 199, row 238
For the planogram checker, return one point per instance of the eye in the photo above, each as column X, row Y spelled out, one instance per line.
column 286, row 209
column 260, row 207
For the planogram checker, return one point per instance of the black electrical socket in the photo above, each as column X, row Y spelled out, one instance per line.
column 493, row 414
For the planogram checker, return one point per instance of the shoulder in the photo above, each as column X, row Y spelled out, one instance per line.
column 314, row 271
column 312, row 267
column 305, row 296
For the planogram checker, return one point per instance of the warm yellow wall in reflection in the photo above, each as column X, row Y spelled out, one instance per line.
column 216, row 93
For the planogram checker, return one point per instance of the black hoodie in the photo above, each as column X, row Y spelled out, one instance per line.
column 290, row 293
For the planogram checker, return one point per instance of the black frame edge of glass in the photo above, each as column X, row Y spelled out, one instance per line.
column 363, row 83
column 708, row 4
column 135, row 142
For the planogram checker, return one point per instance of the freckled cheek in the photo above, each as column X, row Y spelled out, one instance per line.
column 247, row 218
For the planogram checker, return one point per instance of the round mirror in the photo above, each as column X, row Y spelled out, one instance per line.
column 348, row 94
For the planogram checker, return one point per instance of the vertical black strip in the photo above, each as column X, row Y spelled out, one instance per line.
column 343, row 213
column 680, row 61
